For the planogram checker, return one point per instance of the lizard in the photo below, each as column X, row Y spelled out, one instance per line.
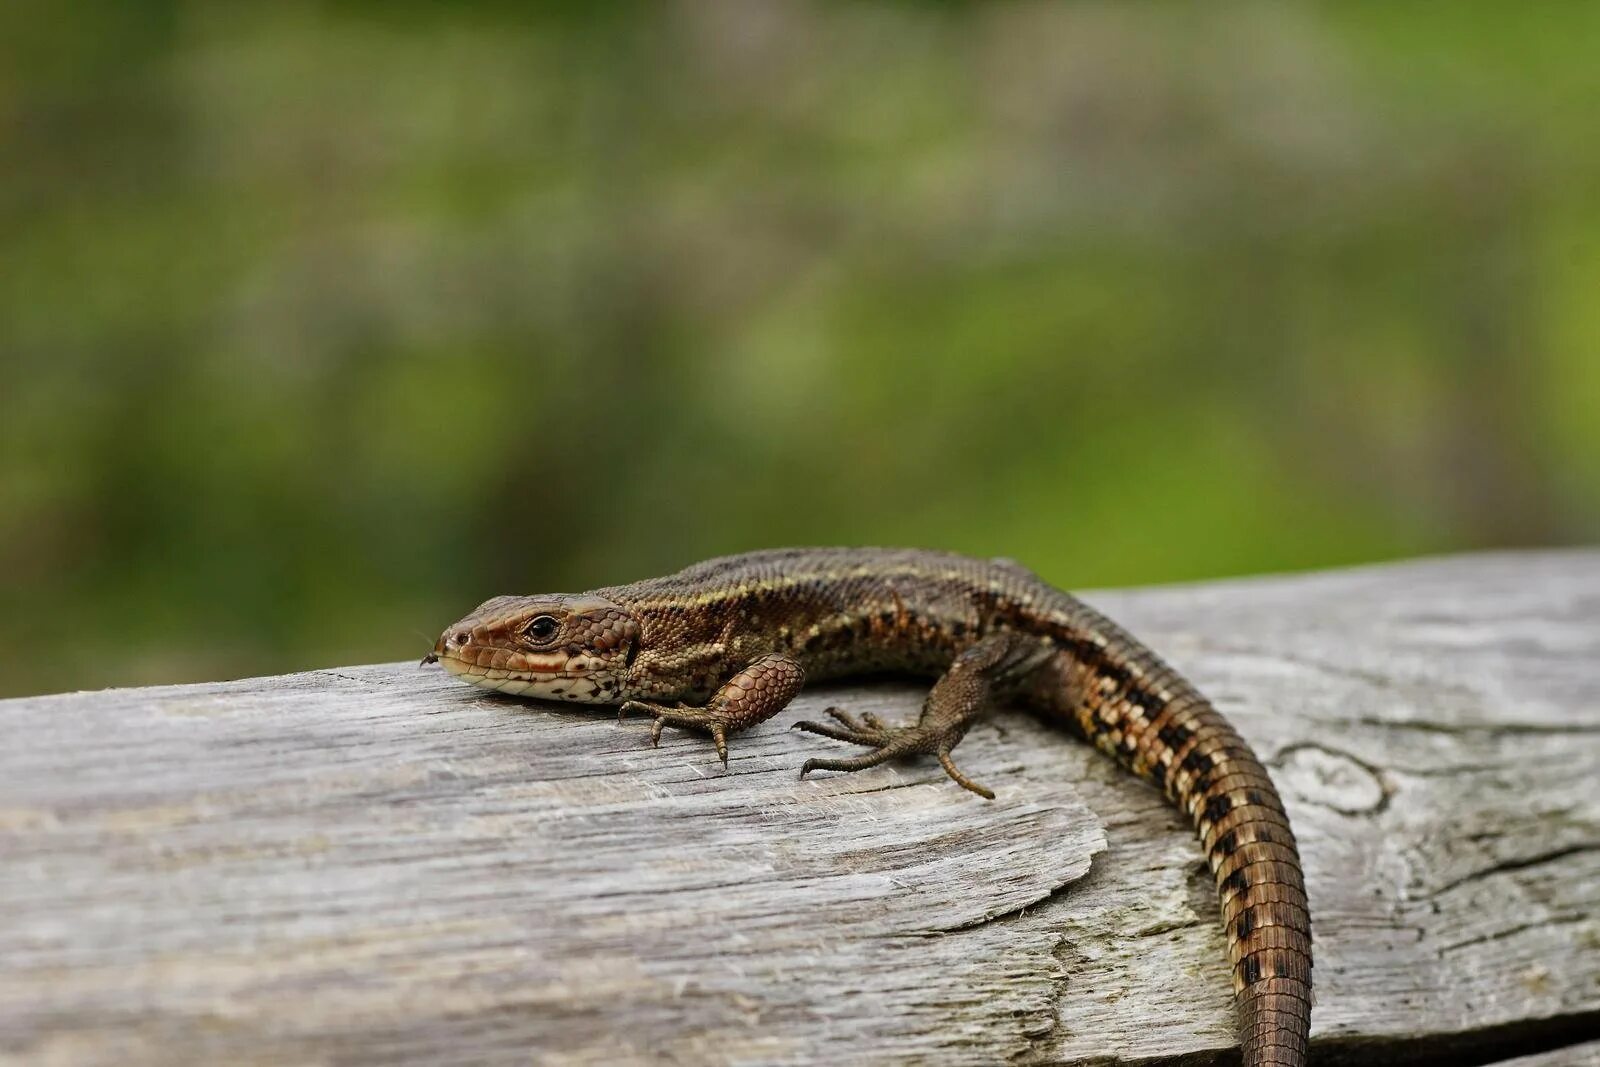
column 726, row 644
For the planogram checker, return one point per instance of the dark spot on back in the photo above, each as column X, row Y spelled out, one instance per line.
column 1174, row 734
column 1118, row 674
column 1147, row 700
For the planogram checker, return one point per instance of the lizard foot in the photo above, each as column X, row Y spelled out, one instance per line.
column 889, row 742
column 715, row 722
column 753, row 695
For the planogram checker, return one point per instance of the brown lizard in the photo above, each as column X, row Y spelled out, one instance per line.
column 727, row 643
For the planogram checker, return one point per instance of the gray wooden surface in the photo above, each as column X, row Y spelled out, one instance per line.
column 375, row 864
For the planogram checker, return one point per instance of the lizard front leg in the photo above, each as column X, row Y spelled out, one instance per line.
column 754, row 695
column 958, row 699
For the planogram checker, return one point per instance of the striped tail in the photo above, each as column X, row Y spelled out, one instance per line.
column 1137, row 709
column 1251, row 850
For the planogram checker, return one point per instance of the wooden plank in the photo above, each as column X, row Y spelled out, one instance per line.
column 1584, row 1055
column 376, row 863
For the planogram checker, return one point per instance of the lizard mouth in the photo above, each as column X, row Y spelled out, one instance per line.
column 572, row 680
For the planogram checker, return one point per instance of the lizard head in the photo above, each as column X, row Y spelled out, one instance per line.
column 558, row 647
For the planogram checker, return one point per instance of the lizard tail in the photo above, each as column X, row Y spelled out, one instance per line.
column 1274, row 1022
column 1213, row 776
column 1146, row 716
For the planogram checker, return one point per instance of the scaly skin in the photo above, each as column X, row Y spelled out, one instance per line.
column 726, row 644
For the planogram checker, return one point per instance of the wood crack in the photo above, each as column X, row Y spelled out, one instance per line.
column 1512, row 931
column 1506, row 867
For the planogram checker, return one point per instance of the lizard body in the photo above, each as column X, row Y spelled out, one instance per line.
column 725, row 644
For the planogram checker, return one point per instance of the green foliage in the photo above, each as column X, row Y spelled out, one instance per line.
column 318, row 324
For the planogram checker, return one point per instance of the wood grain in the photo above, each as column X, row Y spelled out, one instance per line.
column 375, row 864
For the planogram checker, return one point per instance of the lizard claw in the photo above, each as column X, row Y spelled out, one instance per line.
column 705, row 720
column 960, row 779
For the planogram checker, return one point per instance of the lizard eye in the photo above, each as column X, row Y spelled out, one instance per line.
column 542, row 628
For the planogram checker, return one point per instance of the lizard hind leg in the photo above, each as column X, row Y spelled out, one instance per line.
column 958, row 699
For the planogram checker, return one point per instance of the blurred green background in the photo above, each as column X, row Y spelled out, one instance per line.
column 321, row 323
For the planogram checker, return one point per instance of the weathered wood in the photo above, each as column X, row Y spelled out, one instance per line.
column 370, row 864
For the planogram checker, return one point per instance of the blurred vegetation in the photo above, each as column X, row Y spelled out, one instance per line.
column 320, row 323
